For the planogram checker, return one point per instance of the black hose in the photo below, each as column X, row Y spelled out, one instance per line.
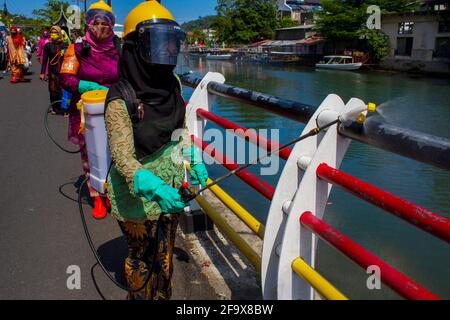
column 94, row 250
column 47, row 130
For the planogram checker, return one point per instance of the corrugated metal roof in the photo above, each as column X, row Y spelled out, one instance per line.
column 281, row 43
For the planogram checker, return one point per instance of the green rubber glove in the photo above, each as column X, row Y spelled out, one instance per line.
column 199, row 174
column 152, row 188
column 85, row 86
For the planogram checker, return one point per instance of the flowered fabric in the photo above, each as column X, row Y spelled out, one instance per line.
column 16, row 55
column 167, row 164
column 149, row 266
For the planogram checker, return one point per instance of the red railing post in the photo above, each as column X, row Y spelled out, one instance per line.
column 410, row 212
column 262, row 187
column 244, row 133
column 390, row 276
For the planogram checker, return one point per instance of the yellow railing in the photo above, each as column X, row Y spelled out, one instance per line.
column 245, row 216
column 240, row 243
column 320, row 284
column 300, row 267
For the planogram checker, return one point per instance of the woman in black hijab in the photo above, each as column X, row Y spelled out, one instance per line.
column 143, row 111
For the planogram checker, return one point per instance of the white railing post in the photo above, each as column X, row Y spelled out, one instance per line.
column 200, row 99
column 291, row 177
column 311, row 195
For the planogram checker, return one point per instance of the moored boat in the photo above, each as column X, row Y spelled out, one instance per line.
column 219, row 56
column 339, row 63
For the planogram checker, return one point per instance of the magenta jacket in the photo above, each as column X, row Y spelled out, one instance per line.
column 89, row 65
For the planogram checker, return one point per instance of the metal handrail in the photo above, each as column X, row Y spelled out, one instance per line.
column 245, row 133
column 316, row 280
column 416, row 145
column 416, row 215
column 240, row 243
column 256, row 183
column 252, row 223
column 391, row 277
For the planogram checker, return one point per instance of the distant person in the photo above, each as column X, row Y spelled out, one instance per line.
column 42, row 42
column 52, row 59
column 75, row 37
column 65, row 39
column 91, row 65
column 16, row 55
column 3, row 52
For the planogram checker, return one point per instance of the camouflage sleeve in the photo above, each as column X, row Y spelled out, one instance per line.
column 185, row 139
column 121, row 143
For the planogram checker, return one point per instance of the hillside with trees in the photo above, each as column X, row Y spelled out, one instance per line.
column 198, row 24
column 247, row 21
column 240, row 22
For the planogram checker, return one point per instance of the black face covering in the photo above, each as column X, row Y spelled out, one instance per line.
column 158, row 91
column 153, row 82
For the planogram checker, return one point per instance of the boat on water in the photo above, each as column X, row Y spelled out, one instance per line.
column 218, row 56
column 339, row 63
column 274, row 57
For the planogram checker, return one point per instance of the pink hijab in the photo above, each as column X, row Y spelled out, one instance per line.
column 107, row 44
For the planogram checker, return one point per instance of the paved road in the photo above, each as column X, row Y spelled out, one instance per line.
column 41, row 233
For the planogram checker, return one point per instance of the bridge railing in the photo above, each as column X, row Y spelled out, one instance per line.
column 289, row 249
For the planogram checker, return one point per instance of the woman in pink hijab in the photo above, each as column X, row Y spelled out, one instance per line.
column 42, row 42
column 91, row 65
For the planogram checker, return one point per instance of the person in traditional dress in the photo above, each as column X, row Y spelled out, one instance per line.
column 91, row 65
column 148, row 167
column 16, row 55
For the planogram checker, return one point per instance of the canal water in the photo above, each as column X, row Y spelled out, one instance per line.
column 415, row 102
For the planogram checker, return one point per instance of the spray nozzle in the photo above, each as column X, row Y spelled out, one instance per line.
column 357, row 112
column 371, row 107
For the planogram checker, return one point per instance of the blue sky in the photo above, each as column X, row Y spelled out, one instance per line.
column 183, row 10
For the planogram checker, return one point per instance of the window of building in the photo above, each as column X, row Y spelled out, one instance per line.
column 442, row 47
column 444, row 26
column 441, row 7
column 404, row 46
column 405, row 27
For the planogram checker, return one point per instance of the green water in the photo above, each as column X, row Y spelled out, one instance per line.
column 419, row 103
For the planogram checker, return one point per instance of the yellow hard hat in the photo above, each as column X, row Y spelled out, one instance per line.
column 101, row 5
column 145, row 11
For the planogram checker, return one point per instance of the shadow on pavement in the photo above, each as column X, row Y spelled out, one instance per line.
column 76, row 186
column 112, row 255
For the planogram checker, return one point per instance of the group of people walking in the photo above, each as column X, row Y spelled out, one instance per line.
column 143, row 108
column 13, row 52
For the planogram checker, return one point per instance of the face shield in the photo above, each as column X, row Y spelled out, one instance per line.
column 159, row 42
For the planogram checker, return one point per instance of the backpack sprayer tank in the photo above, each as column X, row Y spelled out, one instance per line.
column 93, row 126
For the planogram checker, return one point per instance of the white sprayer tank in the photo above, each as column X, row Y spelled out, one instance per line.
column 96, row 138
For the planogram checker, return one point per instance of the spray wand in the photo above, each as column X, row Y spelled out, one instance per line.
column 357, row 113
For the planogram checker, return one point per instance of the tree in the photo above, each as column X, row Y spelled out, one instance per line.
column 201, row 23
column 245, row 21
column 346, row 20
column 196, row 35
column 51, row 10
column 286, row 22
column 343, row 19
column 378, row 43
